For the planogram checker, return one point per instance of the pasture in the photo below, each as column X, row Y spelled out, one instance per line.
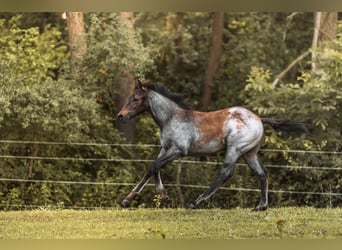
column 239, row 223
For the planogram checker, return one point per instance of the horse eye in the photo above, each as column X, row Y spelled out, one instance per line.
column 135, row 99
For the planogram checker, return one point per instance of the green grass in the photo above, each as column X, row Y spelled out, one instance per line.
column 303, row 223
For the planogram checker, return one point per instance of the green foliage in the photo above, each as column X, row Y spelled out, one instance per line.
column 57, row 111
column 37, row 108
column 26, row 50
column 157, row 200
column 257, row 40
column 180, row 50
column 114, row 51
column 315, row 99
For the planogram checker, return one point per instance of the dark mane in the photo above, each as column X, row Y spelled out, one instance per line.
column 177, row 98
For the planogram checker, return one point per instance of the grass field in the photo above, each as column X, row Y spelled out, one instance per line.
column 302, row 223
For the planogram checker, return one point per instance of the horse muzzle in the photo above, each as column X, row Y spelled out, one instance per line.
column 123, row 118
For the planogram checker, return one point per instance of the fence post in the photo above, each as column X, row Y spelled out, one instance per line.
column 178, row 184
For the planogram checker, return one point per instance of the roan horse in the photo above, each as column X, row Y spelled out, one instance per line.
column 185, row 132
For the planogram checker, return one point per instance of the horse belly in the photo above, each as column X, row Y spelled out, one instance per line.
column 209, row 147
column 203, row 145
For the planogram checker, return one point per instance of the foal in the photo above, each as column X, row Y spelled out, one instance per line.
column 185, row 132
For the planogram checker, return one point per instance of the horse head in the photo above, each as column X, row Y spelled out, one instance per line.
column 137, row 103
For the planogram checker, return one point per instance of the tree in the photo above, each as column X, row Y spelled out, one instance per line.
column 328, row 26
column 77, row 41
column 325, row 29
column 125, row 82
column 115, row 56
column 177, row 23
column 214, row 58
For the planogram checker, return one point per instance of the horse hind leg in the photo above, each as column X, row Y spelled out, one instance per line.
column 255, row 164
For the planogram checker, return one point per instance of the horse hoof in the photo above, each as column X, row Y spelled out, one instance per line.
column 166, row 201
column 125, row 203
column 260, row 208
column 192, row 206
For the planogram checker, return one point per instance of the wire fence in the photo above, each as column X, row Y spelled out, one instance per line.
column 185, row 161
column 153, row 145
column 167, row 185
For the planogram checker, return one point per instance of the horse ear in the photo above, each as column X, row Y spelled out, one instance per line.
column 140, row 85
column 137, row 83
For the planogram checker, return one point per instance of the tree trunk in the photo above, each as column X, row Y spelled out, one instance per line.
column 317, row 26
column 328, row 25
column 77, row 41
column 125, row 85
column 325, row 29
column 123, row 90
column 173, row 25
column 179, row 44
column 127, row 18
column 214, row 58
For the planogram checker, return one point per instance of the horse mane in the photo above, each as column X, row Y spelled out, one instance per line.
column 175, row 97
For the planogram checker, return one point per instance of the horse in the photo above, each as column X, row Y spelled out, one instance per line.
column 185, row 132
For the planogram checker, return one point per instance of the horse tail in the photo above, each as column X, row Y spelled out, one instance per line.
column 285, row 125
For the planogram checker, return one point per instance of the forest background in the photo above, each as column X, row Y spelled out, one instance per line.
column 64, row 76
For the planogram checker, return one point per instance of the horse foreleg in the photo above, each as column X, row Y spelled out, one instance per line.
column 137, row 189
column 160, row 189
column 163, row 158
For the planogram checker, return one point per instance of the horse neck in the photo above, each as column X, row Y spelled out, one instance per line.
column 161, row 108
